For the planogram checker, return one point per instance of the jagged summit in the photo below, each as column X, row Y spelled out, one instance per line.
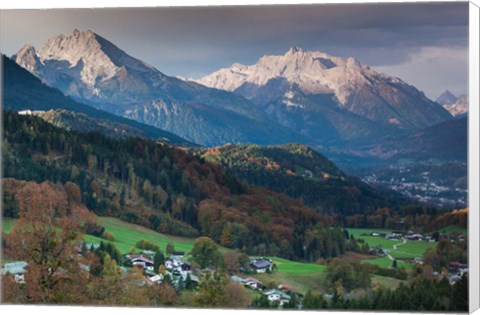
column 81, row 64
column 446, row 98
column 92, row 70
column 289, row 79
column 295, row 49
column 311, row 71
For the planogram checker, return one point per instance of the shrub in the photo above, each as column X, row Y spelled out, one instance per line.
column 146, row 245
column 108, row 236
column 93, row 229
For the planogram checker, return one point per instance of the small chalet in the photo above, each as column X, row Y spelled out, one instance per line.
column 261, row 265
column 414, row 237
column 280, row 297
column 393, row 236
column 17, row 269
column 143, row 262
column 155, row 279
column 455, row 266
column 376, row 251
column 253, row 283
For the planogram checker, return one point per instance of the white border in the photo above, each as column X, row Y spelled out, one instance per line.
column 474, row 156
column 474, row 159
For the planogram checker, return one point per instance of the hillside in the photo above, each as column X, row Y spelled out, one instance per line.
column 444, row 142
column 157, row 186
column 24, row 91
column 304, row 174
column 71, row 120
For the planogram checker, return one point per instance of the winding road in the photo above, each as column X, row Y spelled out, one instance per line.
column 386, row 251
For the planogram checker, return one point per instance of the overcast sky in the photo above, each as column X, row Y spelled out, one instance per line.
column 424, row 44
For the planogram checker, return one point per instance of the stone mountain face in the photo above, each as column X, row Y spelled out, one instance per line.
column 459, row 107
column 301, row 96
column 90, row 69
column 341, row 93
column 446, row 98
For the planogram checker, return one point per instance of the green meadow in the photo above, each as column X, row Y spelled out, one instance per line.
column 453, row 229
column 410, row 249
column 127, row 235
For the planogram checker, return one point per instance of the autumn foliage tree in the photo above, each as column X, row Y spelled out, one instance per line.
column 205, row 252
column 44, row 236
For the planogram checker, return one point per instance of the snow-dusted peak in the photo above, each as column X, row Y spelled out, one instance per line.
column 27, row 50
column 458, row 107
column 27, row 58
column 295, row 50
column 311, row 71
column 87, row 66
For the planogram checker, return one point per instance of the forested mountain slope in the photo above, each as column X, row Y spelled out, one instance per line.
column 158, row 186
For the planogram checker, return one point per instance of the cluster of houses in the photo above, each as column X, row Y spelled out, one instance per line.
column 177, row 268
column 280, row 296
column 410, row 236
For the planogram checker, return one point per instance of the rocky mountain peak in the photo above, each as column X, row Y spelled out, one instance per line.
column 446, row 98
column 27, row 58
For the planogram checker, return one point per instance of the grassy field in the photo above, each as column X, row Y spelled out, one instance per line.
column 127, row 235
column 297, row 268
column 300, row 282
column 387, row 282
column 374, row 240
column 453, row 229
column 410, row 249
column 385, row 262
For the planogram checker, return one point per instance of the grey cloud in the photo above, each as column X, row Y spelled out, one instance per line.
column 195, row 41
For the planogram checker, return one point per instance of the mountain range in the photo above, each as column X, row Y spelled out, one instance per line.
column 358, row 118
column 24, row 91
column 93, row 71
column 320, row 95
column 457, row 106
column 302, row 96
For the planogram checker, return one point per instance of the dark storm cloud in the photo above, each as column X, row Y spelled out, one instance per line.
column 198, row 40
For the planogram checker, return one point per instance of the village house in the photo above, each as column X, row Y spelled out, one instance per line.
column 277, row 296
column 457, row 267
column 376, row 251
column 155, row 279
column 140, row 261
column 178, row 266
column 253, row 283
column 17, row 269
column 414, row 237
column 395, row 235
column 261, row 265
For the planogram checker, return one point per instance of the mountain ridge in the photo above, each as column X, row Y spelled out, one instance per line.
column 89, row 68
column 24, row 91
column 274, row 80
